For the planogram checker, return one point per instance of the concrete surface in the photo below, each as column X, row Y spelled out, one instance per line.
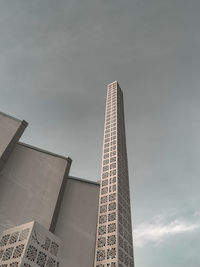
column 77, row 220
column 30, row 183
column 11, row 130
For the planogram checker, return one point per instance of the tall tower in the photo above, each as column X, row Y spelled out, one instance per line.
column 114, row 247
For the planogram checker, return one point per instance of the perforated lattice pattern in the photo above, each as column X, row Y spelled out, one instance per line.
column 4, row 240
column 126, row 246
column 1, row 253
column 54, row 248
column 13, row 238
column 41, row 259
column 126, row 235
column 131, row 251
column 104, row 190
column 31, row 253
column 7, row 254
column 101, row 255
column 112, row 264
column 14, row 264
column 121, row 229
column 114, row 188
column 42, row 251
column 24, row 234
column 101, row 242
column 111, row 227
column 50, row 262
column 18, row 251
column 111, row 216
column 126, row 260
column 103, row 208
column 111, row 253
column 102, row 219
column 112, row 206
column 112, row 197
column 102, row 230
column 104, row 182
column 121, row 255
column 46, row 244
column 111, row 240
column 112, row 180
column 121, row 243
column 104, row 199
column 120, row 218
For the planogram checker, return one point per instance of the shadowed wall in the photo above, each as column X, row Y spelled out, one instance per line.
column 77, row 220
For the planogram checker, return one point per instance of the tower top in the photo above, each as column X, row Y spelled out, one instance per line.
column 113, row 82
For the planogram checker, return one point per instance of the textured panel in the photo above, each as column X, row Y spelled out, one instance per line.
column 13, row 238
column 101, row 242
column 111, row 216
column 4, row 240
column 31, row 253
column 7, row 254
column 18, row 251
column 24, row 234
column 14, row 264
column 114, row 189
column 40, row 246
column 50, row 262
column 111, row 253
column 101, row 255
column 1, row 253
column 41, row 259
column 102, row 219
column 111, row 240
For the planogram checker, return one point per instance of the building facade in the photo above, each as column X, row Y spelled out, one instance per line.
column 92, row 220
column 114, row 247
column 29, row 245
column 35, row 186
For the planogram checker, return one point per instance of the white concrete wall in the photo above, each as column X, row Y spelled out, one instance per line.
column 30, row 183
column 76, row 225
column 11, row 130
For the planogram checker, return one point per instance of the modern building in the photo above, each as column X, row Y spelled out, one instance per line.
column 92, row 220
column 114, row 247
column 35, row 185
column 29, row 245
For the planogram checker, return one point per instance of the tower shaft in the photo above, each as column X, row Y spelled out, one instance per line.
column 114, row 246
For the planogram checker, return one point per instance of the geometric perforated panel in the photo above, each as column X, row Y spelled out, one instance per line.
column 29, row 245
column 114, row 246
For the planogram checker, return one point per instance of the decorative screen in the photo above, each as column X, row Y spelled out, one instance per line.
column 29, row 245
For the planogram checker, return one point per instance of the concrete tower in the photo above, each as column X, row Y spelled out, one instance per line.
column 114, row 246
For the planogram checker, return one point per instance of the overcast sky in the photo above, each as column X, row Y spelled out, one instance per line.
column 56, row 58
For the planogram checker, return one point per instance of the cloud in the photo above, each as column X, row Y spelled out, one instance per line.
column 157, row 231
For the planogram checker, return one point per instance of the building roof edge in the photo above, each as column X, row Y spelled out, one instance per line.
column 68, row 159
column 11, row 117
column 83, row 180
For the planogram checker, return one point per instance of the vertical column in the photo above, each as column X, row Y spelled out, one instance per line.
column 112, row 245
column 125, row 246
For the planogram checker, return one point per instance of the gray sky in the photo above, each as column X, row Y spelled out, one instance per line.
column 56, row 58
